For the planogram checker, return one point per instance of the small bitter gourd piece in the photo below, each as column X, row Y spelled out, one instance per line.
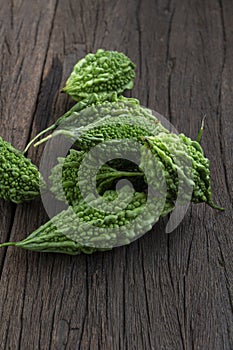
column 103, row 73
column 19, row 178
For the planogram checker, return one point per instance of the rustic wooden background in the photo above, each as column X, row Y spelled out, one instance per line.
column 163, row 291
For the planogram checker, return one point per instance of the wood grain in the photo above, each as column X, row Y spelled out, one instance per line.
column 163, row 291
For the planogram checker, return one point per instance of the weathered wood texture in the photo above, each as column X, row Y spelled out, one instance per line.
column 163, row 291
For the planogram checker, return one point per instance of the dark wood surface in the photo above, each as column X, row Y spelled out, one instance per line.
column 163, row 291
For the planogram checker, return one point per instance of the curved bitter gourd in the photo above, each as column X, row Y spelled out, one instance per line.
column 73, row 230
column 65, row 182
column 19, row 178
column 103, row 72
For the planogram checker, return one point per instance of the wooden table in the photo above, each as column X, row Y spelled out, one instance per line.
column 163, row 291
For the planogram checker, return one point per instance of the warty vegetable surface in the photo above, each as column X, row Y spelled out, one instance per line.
column 19, row 178
column 103, row 72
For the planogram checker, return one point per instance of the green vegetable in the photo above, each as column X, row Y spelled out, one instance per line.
column 19, row 178
column 73, row 230
column 95, row 79
column 181, row 158
column 183, row 161
column 79, row 106
column 184, row 165
column 123, row 119
column 66, row 187
column 107, row 217
column 104, row 72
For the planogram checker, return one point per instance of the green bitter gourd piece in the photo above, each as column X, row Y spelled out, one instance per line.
column 124, row 119
column 72, row 230
column 65, row 183
column 19, row 178
column 91, row 100
column 103, row 73
column 185, row 165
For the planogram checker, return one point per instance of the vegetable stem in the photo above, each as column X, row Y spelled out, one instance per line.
column 37, row 136
column 120, row 174
column 199, row 136
column 43, row 140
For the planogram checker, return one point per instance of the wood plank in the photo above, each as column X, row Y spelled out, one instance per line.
column 23, row 47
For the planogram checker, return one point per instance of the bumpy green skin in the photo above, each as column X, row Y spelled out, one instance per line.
column 184, row 166
column 87, row 111
column 94, row 110
column 73, row 231
column 103, row 73
column 124, row 119
column 19, row 178
column 64, row 177
column 91, row 100
column 67, row 232
column 185, row 169
column 65, row 183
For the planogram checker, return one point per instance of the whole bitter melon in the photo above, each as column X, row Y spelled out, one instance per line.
column 83, row 228
column 103, row 73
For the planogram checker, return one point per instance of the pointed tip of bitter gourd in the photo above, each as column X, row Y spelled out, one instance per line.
column 215, row 206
